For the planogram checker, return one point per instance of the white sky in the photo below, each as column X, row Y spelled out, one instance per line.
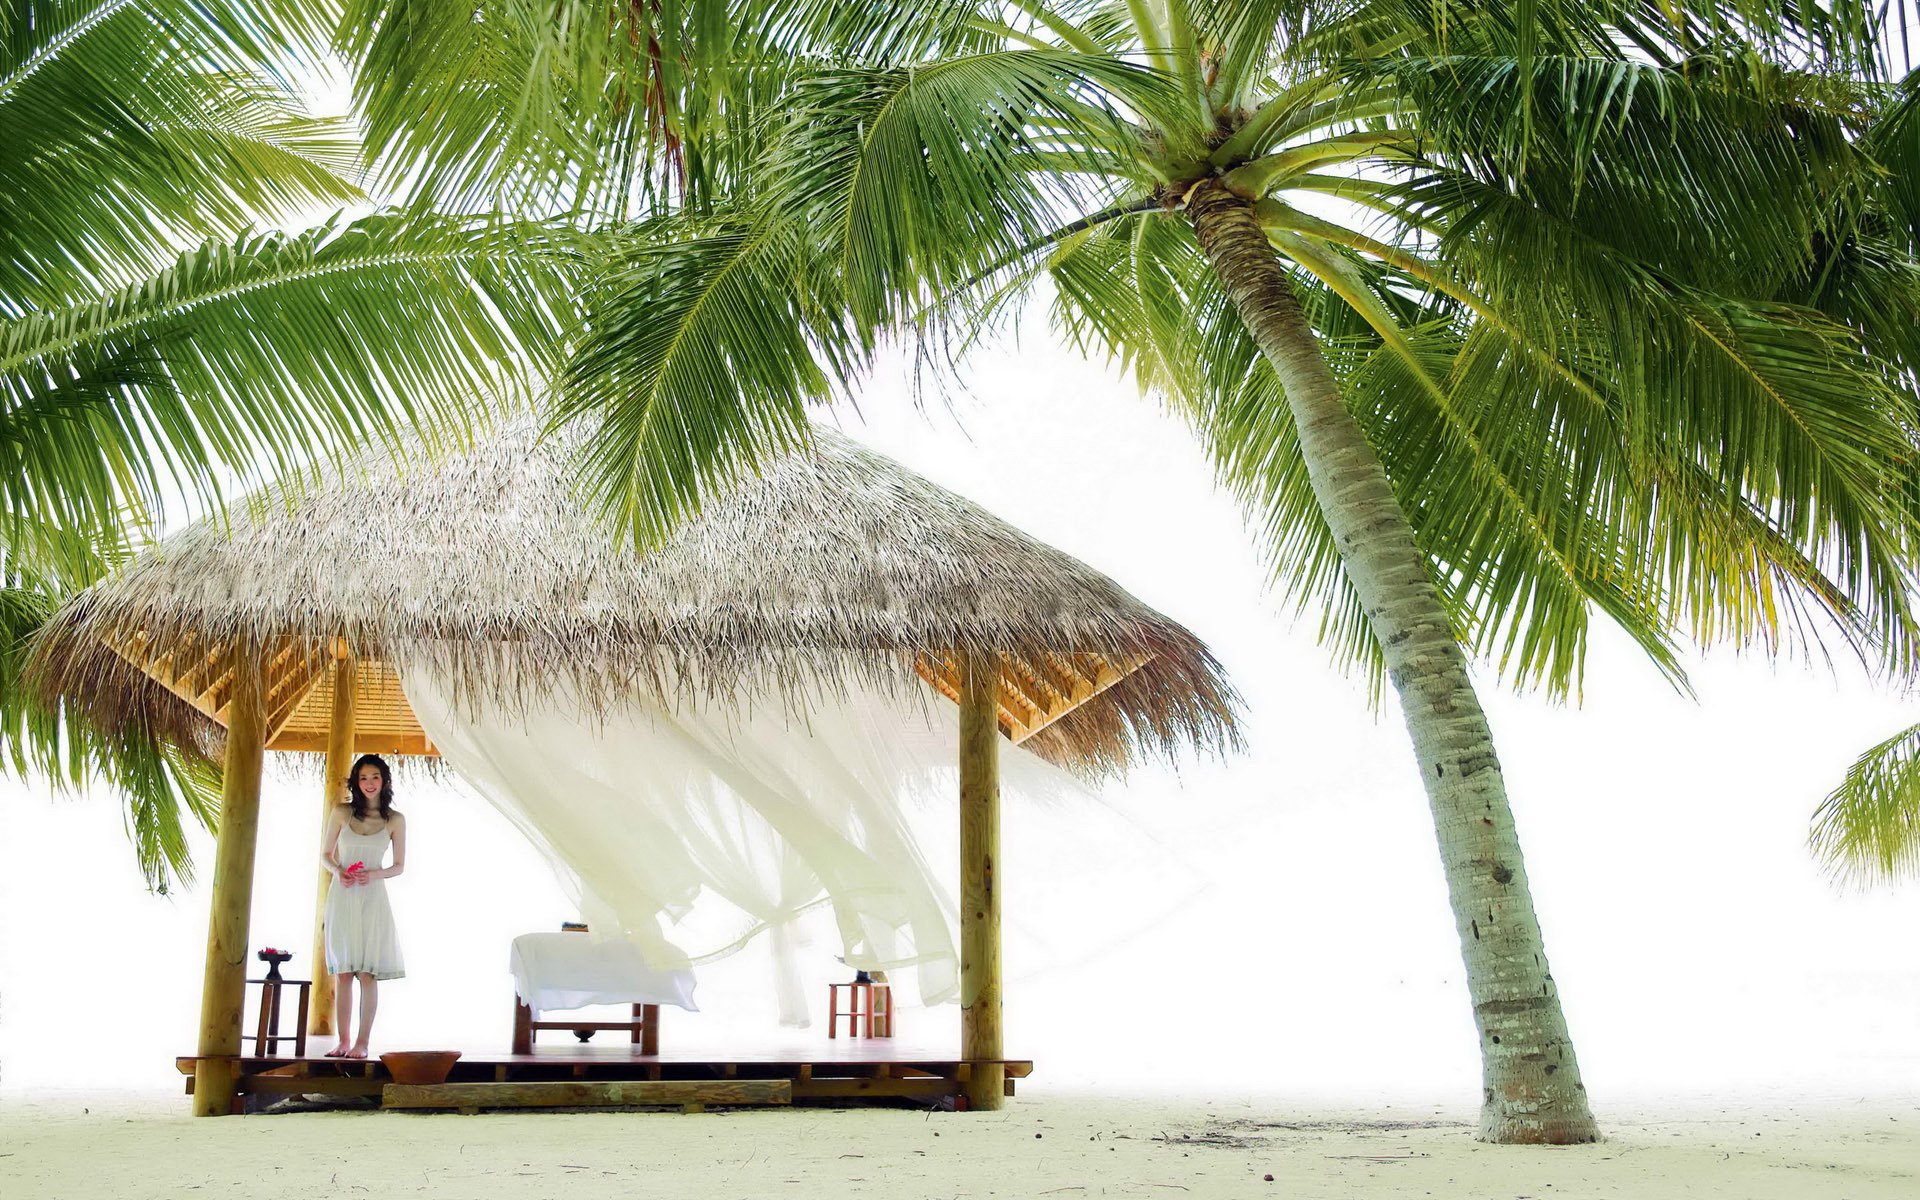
column 1305, row 946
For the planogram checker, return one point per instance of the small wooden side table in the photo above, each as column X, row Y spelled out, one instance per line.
column 267, row 1034
column 871, row 1002
column 644, row 1028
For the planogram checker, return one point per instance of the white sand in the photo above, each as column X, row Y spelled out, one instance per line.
column 128, row 1147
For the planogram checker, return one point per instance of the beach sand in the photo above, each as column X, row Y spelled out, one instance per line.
column 126, row 1146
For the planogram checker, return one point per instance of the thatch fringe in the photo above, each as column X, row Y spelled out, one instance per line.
column 836, row 566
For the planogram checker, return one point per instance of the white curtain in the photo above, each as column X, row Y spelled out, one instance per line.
column 691, row 832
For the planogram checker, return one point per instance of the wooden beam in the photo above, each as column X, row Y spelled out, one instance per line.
column 186, row 683
column 333, row 793
column 1016, row 707
column 847, row 1089
column 295, row 685
column 587, row 1093
column 1065, row 678
column 939, row 673
column 366, row 741
column 1105, row 675
column 223, row 991
column 1044, row 700
column 980, row 1036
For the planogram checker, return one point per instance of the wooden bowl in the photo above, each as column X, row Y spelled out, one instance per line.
column 420, row 1066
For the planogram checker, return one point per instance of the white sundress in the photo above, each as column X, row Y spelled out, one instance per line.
column 361, row 937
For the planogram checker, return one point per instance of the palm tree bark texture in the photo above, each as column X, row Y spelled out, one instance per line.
column 1533, row 1091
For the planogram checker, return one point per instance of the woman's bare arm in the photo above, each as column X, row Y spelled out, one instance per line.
column 398, row 824
column 330, row 843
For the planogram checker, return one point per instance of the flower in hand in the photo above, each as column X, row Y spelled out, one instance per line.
column 353, row 874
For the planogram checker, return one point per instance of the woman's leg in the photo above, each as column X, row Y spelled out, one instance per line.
column 342, row 1014
column 369, row 1003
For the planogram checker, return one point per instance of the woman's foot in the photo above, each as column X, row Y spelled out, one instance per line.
column 356, row 1052
column 339, row 1051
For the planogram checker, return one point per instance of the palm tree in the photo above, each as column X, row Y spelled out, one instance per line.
column 160, row 343
column 1493, row 323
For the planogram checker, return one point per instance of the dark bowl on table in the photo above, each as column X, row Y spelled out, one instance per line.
column 419, row 1066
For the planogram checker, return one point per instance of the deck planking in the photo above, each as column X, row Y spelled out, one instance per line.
column 836, row 1072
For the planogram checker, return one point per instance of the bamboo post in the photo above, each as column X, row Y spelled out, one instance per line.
column 223, row 992
column 979, row 891
column 333, row 792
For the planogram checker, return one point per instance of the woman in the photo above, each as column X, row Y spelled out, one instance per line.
column 361, row 940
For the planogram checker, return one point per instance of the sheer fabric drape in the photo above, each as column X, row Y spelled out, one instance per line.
column 692, row 832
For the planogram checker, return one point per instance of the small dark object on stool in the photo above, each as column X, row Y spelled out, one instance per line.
column 273, row 958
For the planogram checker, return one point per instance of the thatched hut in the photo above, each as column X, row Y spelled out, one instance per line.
column 288, row 625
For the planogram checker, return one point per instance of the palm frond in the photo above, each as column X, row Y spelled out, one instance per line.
column 108, row 164
column 924, row 181
column 1779, row 405
column 1846, row 37
column 1868, row 828
column 278, row 352
column 706, row 345
column 1242, row 40
column 539, row 108
column 873, row 32
column 1709, row 176
column 163, row 783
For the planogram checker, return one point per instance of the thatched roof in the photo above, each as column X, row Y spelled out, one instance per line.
column 836, row 562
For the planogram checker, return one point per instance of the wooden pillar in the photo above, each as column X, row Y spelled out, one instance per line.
column 333, row 791
column 223, row 991
column 979, row 886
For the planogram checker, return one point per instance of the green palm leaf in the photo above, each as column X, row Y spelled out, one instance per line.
column 107, row 163
column 264, row 356
column 1869, row 827
column 163, row 781
column 712, row 373
column 923, row 182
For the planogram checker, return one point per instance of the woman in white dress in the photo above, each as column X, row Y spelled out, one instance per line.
column 362, row 942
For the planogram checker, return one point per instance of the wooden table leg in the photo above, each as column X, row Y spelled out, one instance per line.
column 833, row 1010
column 260, row 1030
column 650, row 1032
column 522, row 1027
column 300, row 1030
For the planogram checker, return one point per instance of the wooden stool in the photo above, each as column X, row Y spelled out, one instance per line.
column 878, row 1012
column 267, row 1034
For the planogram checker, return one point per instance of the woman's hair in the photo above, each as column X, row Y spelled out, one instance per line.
column 386, row 786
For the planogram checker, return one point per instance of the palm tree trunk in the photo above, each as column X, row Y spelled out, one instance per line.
column 1533, row 1091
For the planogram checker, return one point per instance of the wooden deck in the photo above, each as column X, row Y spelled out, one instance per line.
column 839, row 1071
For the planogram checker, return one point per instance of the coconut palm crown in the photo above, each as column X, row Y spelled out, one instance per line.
column 1497, row 317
